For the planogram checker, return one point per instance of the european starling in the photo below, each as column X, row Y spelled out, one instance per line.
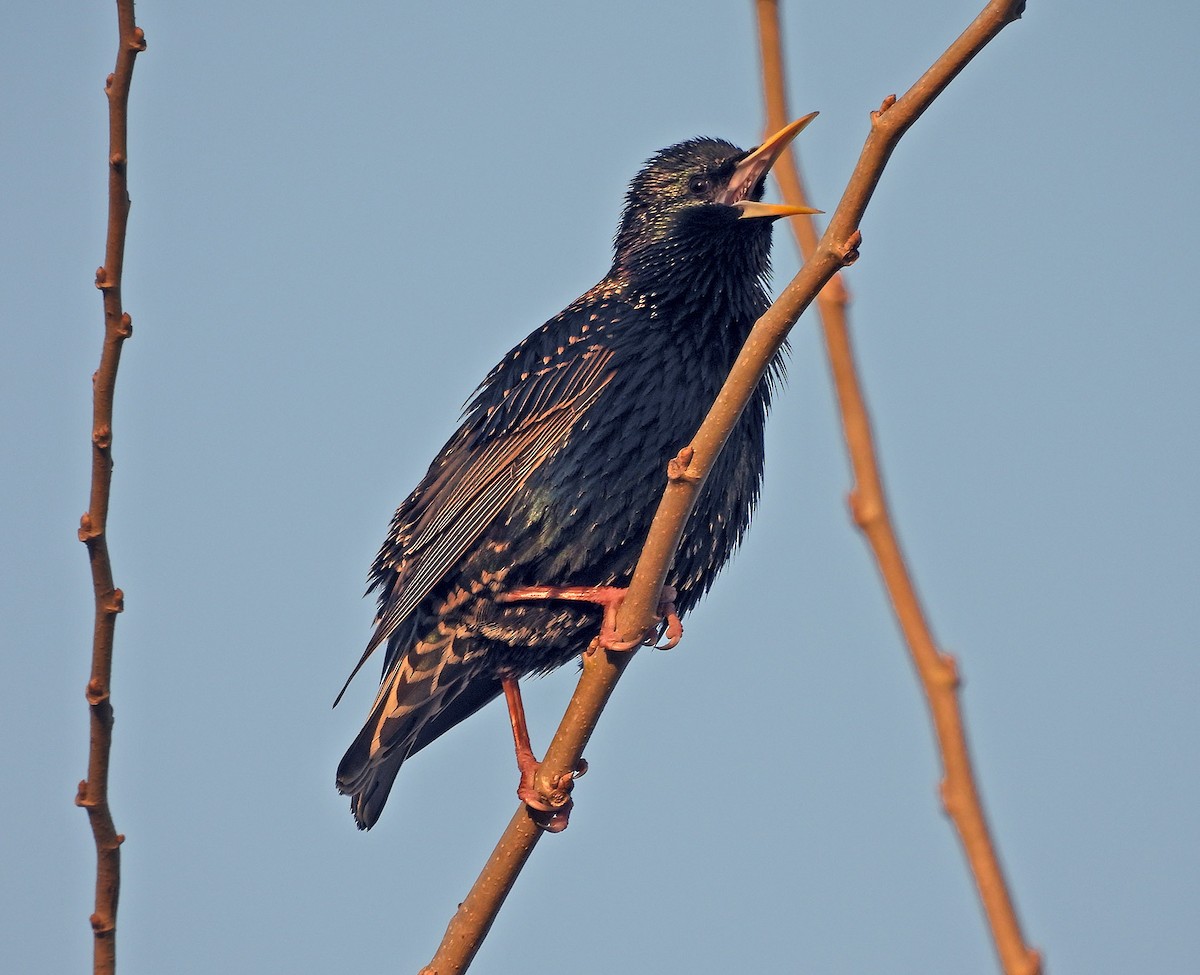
column 509, row 556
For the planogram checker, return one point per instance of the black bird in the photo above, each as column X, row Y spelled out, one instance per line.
column 502, row 561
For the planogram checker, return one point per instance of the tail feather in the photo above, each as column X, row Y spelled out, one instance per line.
column 370, row 788
column 426, row 692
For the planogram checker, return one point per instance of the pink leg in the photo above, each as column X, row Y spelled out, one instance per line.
column 610, row 599
column 551, row 819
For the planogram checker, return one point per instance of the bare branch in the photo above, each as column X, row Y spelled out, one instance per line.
column 936, row 670
column 602, row 669
column 93, row 791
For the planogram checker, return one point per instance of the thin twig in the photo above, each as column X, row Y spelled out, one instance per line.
column 686, row 476
column 936, row 670
column 93, row 791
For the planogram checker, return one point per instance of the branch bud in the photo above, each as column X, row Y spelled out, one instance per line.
column 87, row 530
column 96, row 692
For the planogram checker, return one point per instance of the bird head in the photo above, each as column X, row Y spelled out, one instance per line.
column 699, row 198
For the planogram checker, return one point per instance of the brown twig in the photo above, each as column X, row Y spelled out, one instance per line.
column 93, row 791
column 602, row 669
column 936, row 670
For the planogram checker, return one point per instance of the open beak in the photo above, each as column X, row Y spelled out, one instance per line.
column 755, row 166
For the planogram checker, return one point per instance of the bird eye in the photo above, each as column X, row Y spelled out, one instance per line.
column 699, row 185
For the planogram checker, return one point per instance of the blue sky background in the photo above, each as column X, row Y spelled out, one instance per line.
column 343, row 215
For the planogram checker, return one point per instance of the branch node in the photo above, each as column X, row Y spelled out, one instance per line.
column 81, row 796
column 87, row 530
column 102, row 280
column 678, row 468
column 865, row 508
column 117, row 162
column 116, row 602
column 125, row 326
column 102, row 925
column 96, row 692
column 139, row 40
column 948, row 798
column 848, row 253
column 102, row 436
column 883, row 108
column 108, row 82
column 948, row 674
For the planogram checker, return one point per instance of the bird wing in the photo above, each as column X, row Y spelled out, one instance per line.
column 476, row 475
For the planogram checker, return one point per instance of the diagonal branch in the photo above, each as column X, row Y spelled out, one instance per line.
column 936, row 670
column 93, row 791
column 686, row 476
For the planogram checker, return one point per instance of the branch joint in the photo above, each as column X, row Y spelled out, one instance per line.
column 115, row 603
column 951, row 799
column 82, row 799
column 679, row 467
column 102, row 925
column 1033, row 957
column 96, row 693
column 883, row 109
column 866, row 508
column 947, row 673
column 88, row 531
column 848, row 252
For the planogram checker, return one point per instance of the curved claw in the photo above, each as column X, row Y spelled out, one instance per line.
column 666, row 611
column 606, row 639
column 674, row 631
column 550, row 818
column 554, row 821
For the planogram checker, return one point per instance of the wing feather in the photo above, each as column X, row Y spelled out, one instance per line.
column 474, row 478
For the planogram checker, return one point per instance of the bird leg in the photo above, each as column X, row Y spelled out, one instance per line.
column 610, row 599
column 553, row 819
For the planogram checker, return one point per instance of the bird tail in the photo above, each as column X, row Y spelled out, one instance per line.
column 367, row 771
column 425, row 692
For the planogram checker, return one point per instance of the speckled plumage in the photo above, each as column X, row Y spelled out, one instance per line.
column 556, row 471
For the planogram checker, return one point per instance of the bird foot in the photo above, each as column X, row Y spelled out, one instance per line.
column 550, row 808
column 552, row 812
column 609, row 598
